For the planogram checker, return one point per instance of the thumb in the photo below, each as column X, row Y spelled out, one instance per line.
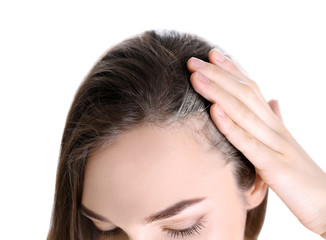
column 275, row 108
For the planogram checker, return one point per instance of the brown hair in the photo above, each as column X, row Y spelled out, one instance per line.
column 142, row 80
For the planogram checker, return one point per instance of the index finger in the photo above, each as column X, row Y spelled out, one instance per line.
column 217, row 58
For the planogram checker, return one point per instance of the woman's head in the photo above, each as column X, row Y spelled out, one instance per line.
column 138, row 139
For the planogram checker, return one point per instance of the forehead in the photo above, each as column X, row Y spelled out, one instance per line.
column 147, row 169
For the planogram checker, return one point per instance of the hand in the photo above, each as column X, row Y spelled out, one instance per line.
column 255, row 127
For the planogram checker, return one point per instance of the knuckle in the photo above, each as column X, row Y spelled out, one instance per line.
column 253, row 84
column 246, row 115
column 216, row 91
column 248, row 92
column 249, row 147
column 215, row 70
column 232, row 67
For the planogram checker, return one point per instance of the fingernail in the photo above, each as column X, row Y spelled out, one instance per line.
column 219, row 110
column 218, row 55
column 197, row 63
column 202, row 78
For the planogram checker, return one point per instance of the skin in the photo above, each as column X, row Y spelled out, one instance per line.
column 150, row 168
column 116, row 180
column 254, row 126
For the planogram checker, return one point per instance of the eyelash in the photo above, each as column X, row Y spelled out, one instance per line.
column 194, row 229
column 107, row 233
column 170, row 232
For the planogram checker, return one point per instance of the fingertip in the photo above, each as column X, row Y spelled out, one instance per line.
column 189, row 65
column 217, row 55
column 216, row 117
column 274, row 100
column 212, row 58
column 273, row 103
column 217, row 109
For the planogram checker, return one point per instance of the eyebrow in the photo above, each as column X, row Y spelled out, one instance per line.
column 170, row 211
column 92, row 214
column 173, row 210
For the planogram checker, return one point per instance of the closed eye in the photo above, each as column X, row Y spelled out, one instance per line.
column 187, row 232
column 195, row 229
column 168, row 212
column 109, row 233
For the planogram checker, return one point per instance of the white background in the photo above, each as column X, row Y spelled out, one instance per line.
column 47, row 48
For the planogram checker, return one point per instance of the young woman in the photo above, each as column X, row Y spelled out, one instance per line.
column 168, row 139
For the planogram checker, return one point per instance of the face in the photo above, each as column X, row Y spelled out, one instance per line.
column 161, row 183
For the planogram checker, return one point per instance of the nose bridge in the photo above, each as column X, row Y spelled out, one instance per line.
column 139, row 237
column 143, row 232
column 137, row 232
